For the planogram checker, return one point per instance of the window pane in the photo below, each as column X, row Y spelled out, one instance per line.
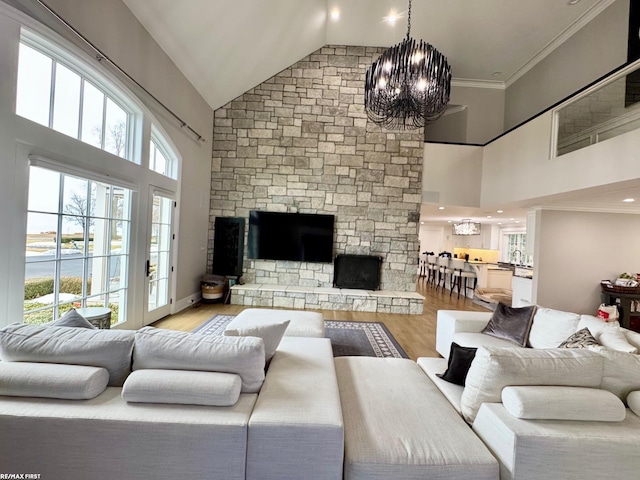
column 66, row 102
column 116, row 270
column 71, row 279
column 116, row 130
column 34, row 85
column 44, row 190
column 38, row 317
column 38, row 280
column 92, row 110
column 42, row 230
column 74, row 205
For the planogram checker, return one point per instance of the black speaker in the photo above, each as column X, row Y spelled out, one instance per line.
column 228, row 246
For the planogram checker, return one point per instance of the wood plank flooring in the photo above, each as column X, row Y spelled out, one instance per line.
column 416, row 334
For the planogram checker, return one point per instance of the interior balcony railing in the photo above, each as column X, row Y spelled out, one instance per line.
column 605, row 110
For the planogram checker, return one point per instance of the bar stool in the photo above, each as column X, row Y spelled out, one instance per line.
column 432, row 267
column 422, row 268
column 461, row 271
column 443, row 270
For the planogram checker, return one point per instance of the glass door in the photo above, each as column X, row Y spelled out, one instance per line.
column 159, row 267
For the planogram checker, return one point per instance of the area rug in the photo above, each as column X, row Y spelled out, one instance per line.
column 361, row 339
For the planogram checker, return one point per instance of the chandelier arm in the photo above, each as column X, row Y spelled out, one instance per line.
column 409, row 22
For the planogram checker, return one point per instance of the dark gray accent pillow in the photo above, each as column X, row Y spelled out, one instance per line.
column 72, row 319
column 512, row 324
column 460, row 359
column 580, row 339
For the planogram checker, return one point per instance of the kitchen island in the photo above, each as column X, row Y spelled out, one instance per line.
column 491, row 275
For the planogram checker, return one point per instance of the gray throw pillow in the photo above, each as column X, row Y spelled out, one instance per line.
column 512, row 324
column 72, row 319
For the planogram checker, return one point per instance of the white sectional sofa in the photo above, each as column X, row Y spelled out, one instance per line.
column 290, row 427
column 545, row 412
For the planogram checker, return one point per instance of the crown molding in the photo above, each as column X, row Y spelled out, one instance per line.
column 471, row 83
column 562, row 37
column 592, row 209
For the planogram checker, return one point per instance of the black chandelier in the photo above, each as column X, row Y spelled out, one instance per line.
column 408, row 86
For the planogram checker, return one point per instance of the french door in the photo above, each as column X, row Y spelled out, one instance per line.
column 159, row 268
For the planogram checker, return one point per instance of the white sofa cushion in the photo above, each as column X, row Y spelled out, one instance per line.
column 476, row 340
column 633, row 400
column 563, row 403
column 49, row 380
column 621, row 372
column 161, row 349
column 607, row 333
column 110, row 349
column 270, row 333
column 632, row 337
column 496, row 368
column 182, row 387
column 551, row 327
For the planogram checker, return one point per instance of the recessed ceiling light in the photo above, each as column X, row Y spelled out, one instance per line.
column 500, row 211
column 489, row 216
column 496, row 74
column 572, row 2
column 448, row 221
column 629, row 200
column 499, row 223
column 391, row 18
column 512, row 219
column 421, row 223
column 440, row 208
column 517, row 221
column 335, row 14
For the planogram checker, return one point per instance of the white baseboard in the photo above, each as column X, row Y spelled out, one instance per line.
column 187, row 302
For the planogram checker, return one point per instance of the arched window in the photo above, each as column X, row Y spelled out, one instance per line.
column 161, row 157
column 57, row 94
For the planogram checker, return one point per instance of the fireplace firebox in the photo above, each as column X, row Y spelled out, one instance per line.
column 357, row 271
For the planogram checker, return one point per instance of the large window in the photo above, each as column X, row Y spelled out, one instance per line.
column 76, row 247
column 516, row 245
column 56, row 96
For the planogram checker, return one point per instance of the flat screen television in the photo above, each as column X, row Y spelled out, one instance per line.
column 303, row 237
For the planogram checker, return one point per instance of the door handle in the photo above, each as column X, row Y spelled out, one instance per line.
column 148, row 267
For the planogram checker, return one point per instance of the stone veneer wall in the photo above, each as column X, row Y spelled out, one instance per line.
column 301, row 142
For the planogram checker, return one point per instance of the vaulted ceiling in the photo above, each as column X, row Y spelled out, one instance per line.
column 226, row 47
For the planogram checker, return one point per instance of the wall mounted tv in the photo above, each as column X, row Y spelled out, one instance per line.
column 302, row 237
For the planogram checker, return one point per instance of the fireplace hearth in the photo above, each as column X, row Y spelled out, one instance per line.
column 357, row 271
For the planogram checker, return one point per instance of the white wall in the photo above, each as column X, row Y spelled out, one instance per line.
column 576, row 250
column 113, row 28
column 485, row 111
column 518, row 166
column 451, row 174
column 593, row 51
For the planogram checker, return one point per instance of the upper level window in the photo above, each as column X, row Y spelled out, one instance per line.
column 161, row 158
column 55, row 95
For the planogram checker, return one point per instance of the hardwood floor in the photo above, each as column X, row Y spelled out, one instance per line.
column 415, row 333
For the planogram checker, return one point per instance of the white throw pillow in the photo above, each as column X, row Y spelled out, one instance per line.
column 563, row 403
column 182, row 387
column 633, row 400
column 607, row 333
column 551, row 327
column 270, row 333
column 495, row 368
column 632, row 337
column 50, row 380
column 161, row 349
column 110, row 349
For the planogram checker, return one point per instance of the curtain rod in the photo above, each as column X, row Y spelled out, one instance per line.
column 100, row 56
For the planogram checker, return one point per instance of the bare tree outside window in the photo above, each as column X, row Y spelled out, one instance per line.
column 116, row 137
column 77, row 212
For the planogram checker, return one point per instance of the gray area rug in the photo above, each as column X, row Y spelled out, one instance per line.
column 360, row 339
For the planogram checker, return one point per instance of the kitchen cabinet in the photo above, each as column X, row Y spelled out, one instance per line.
column 499, row 278
column 522, row 291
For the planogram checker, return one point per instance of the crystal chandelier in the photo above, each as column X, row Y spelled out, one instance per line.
column 467, row 227
column 408, row 86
